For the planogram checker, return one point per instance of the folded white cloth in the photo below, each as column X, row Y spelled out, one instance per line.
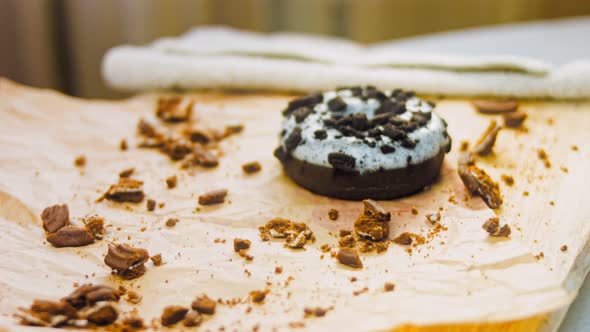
column 215, row 57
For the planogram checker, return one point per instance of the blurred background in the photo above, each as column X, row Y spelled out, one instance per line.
column 59, row 43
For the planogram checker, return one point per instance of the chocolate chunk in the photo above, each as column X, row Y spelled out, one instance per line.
column 337, row 104
column 484, row 145
column 157, row 259
column 241, row 244
column 342, row 161
column 333, row 214
column 391, row 107
column 320, row 134
column 478, row 182
column 127, row 190
column 151, row 205
column 349, row 131
column 492, row 226
column 495, row 106
column 126, row 172
column 405, row 239
column 386, row 148
column 95, row 226
column 213, row 197
column 55, row 217
column 349, row 257
column 70, row 236
column 203, row 304
column 80, row 161
column 172, row 315
column 171, row 182
column 293, row 139
column 102, row 315
column 174, row 109
column 309, row 101
column 360, row 121
column 126, row 261
column 251, row 167
column 257, row 296
column 301, row 113
column 514, row 119
column 193, row 318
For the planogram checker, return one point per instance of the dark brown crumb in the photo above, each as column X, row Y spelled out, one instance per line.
column 508, row 179
column 333, row 214
column 296, row 234
column 374, row 222
column 540, row 255
column 464, row 146
column 575, row 148
column 347, row 241
column 257, row 296
column 80, row 161
column 349, row 257
column 95, row 226
column 414, row 211
column 251, row 167
column 123, row 146
column 171, row 181
column 563, row 248
column 204, row 305
column 492, row 226
column 315, row 312
column 174, row 109
column 213, row 197
column 157, row 259
column 479, row 182
column 404, row 239
column 127, row 190
column 344, row 232
column 514, row 119
column 132, row 323
column 543, row 156
column 171, row 222
column 360, row 291
column 388, row 287
column 126, row 261
column 193, row 318
column 241, row 244
column 486, row 142
column 151, row 205
column 173, row 314
column 433, row 218
column 278, row 269
column 55, row 217
column 126, row 172
column 70, row 236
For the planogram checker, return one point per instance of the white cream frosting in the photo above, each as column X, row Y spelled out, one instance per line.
column 430, row 138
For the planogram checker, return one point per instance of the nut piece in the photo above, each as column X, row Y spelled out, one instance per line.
column 515, row 119
column 251, row 167
column 95, row 226
column 486, row 142
column 349, row 257
column 241, row 244
column 55, row 217
column 203, row 304
column 258, row 296
column 126, row 261
column 492, row 226
column 213, row 197
column 127, row 190
column 70, row 236
column 495, row 106
column 173, row 314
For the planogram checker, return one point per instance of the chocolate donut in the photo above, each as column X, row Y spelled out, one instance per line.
column 358, row 143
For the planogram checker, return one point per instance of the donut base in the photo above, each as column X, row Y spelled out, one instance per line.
column 380, row 185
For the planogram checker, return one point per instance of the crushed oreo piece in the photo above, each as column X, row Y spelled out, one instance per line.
column 484, row 145
column 55, row 217
column 95, row 226
column 386, row 148
column 126, row 261
column 171, row 181
column 492, row 226
column 213, row 197
column 70, row 236
column 408, row 143
column 296, row 234
column 174, row 109
column 342, row 161
column 349, row 257
column 127, row 190
column 307, row 101
column 433, row 218
column 301, row 113
column 204, row 305
column 132, row 323
column 177, row 149
column 337, row 104
column 293, row 139
column 478, row 182
column 173, row 314
column 251, row 167
column 88, row 294
column 146, row 129
column 320, row 134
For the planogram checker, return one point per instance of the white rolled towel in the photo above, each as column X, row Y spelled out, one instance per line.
column 213, row 57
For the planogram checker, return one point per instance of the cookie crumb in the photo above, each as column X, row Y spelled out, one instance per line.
column 251, row 167
column 204, row 305
column 241, row 244
column 171, row 222
column 464, row 146
column 486, row 142
column 563, row 248
column 126, row 261
column 157, row 259
column 492, row 226
column 123, row 146
column 278, row 269
column 514, row 119
column 151, row 204
column 388, row 287
column 349, row 257
column 95, row 226
column 333, row 214
column 574, row 148
column 433, row 218
column 193, row 318
column 80, row 161
column 257, row 296
column 126, row 172
column 414, row 211
column 133, row 297
column 173, row 314
column 171, row 182
column 508, row 179
column 213, row 197
column 315, row 312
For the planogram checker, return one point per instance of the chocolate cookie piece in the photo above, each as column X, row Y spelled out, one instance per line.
column 55, row 217
column 126, row 261
column 70, row 236
column 364, row 144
